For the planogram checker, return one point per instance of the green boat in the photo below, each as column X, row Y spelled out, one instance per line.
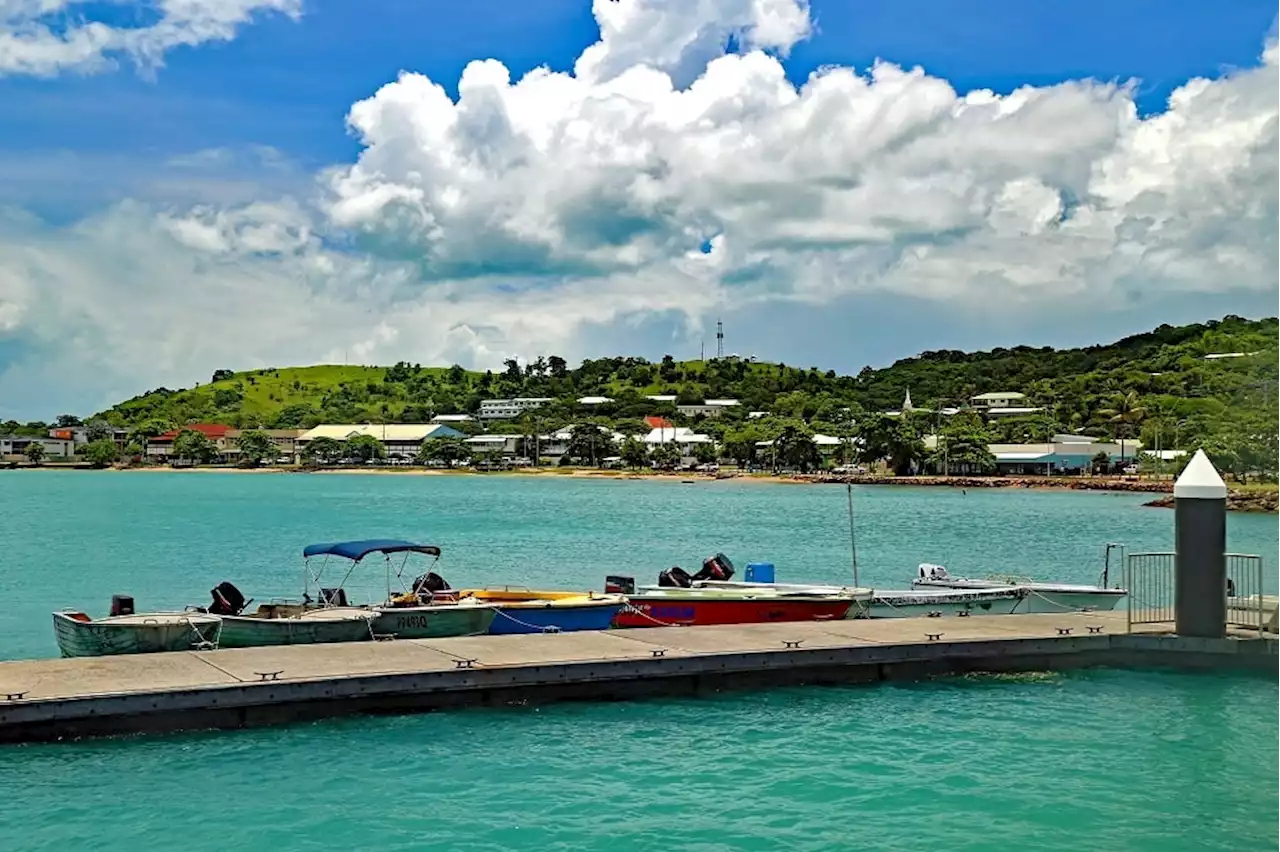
column 283, row 624
column 423, row 609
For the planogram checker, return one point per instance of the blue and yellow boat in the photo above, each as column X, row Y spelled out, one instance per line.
column 521, row 610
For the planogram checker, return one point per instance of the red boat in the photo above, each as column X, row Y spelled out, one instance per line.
column 661, row 609
column 674, row 602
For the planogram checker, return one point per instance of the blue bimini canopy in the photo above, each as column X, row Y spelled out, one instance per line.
column 357, row 550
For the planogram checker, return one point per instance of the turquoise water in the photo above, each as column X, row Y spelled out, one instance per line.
column 1106, row 759
column 1099, row 760
column 72, row 539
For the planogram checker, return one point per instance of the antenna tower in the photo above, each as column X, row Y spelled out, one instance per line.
column 719, row 339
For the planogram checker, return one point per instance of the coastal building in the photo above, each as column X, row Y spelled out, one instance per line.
column 1002, row 404
column 708, row 408
column 284, row 440
column 506, row 445
column 1060, row 457
column 556, row 444
column 654, row 422
column 79, row 435
column 401, row 440
column 452, row 418
column 594, row 400
column 661, row 397
column 160, row 448
column 509, row 409
column 826, row 444
column 14, row 447
column 686, row 439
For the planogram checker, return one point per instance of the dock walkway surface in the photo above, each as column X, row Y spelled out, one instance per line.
column 43, row 700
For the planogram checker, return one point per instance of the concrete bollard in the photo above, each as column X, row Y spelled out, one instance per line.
column 1200, row 534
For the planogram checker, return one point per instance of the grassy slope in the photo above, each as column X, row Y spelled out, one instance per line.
column 1166, row 363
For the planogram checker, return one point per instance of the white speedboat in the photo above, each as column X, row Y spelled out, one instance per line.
column 78, row 635
column 1040, row 596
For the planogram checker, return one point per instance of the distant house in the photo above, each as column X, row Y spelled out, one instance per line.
column 1002, row 404
column 661, row 397
column 594, row 400
column 452, row 418
column 160, row 448
column 658, row 422
column 708, row 408
column 14, row 447
column 509, row 409
column 1059, row 456
column 684, row 438
column 504, row 444
column 79, row 435
column 401, row 440
column 284, row 440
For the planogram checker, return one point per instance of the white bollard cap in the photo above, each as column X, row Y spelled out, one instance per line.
column 1200, row 480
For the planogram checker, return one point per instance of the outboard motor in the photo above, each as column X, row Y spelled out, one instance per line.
column 716, row 567
column 675, row 578
column 333, row 597
column 227, row 600
column 123, row 604
column 430, row 583
column 616, row 584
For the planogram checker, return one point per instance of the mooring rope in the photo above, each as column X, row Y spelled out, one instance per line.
column 550, row 628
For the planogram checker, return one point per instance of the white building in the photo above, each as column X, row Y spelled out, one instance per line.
column 594, row 400
column 16, row 445
column 1002, row 404
column 686, row 439
column 401, row 440
column 661, row 397
column 709, row 408
column 504, row 444
column 452, row 418
column 508, row 409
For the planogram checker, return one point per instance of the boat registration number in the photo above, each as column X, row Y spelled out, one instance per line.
column 408, row 621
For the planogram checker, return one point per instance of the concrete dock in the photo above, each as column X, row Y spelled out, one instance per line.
column 44, row 700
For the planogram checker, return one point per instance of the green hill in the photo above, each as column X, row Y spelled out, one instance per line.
column 1161, row 381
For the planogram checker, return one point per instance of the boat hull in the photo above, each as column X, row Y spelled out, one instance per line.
column 554, row 617
column 248, row 632
column 668, row 610
column 1041, row 597
column 907, row 605
column 432, row 622
column 133, row 634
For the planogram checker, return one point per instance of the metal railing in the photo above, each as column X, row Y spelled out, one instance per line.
column 1149, row 579
column 1244, row 593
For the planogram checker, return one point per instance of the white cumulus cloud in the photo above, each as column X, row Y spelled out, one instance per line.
column 44, row 38
column 674, row 172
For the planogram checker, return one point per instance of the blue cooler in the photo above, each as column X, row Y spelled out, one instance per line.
column 759, row 572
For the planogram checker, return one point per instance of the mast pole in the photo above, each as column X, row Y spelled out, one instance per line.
column 853, row 541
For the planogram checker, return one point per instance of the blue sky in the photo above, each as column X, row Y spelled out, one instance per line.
column 288, row 84
column 260, row 116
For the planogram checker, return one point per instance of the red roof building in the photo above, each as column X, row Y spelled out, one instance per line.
column 212, row 431
column 658, row 422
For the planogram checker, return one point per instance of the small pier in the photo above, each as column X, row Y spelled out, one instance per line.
column 57, row 699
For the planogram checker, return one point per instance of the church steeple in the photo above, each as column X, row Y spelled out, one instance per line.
column 906, row 403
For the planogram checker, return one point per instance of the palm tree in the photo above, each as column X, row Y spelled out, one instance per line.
column 1126, row 412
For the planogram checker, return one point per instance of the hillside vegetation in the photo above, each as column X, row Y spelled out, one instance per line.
column 1157, row 386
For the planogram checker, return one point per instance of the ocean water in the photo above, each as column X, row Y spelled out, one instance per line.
column 1115, row 760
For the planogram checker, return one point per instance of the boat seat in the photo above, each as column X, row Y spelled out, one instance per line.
column 78, row 616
